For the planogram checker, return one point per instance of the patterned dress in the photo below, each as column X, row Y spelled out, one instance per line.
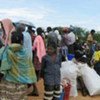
column 18, row 71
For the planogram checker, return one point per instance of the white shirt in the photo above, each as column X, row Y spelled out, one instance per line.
column 28, row 43
column 70, row 38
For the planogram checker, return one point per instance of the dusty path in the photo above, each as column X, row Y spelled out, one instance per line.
column 79, row 97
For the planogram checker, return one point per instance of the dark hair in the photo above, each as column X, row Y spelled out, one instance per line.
column 92, row 31
column 83, row 59
column 29, row 27
column 39, row 31
column 30, row 30
column 97, row 46
column 20, row 28
column 80, row 56
column 16, row 38
column 49, row 29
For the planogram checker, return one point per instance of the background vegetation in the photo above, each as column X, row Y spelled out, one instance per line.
column 81, row 33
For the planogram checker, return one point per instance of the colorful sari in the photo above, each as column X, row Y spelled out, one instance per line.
column 11, row 91
column 18, row 71
column 17, row 66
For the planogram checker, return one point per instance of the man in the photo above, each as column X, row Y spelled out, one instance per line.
column 90, row 42
column 90, row 38
column 70, row 40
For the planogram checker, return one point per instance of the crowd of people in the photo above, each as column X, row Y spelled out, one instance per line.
column 29, row 54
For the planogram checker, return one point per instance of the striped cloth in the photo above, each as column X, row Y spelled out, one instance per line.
column 10, row 91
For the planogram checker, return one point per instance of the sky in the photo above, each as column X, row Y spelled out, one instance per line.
column 82, row 13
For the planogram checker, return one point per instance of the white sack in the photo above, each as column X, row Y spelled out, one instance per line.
column 69, row 70
column 91, row 80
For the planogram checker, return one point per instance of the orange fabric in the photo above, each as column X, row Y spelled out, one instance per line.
column 40, row 47
column 8, row 27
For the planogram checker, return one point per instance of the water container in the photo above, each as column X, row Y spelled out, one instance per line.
column 70, row 56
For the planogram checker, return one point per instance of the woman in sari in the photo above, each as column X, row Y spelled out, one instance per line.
column 17, row 69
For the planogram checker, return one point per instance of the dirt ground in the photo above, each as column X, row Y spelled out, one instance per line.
column 79, row 97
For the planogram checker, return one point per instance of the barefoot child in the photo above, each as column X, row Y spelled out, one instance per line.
column 51, row 64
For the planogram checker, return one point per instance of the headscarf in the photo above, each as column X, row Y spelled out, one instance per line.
column 8, row 28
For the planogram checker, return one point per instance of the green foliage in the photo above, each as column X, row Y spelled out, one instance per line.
column 97, row 37
column 80, row 33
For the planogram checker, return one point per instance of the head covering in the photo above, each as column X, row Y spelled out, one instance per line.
column 8, row 28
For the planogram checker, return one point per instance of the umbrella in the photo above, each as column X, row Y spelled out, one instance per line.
column 27, row 23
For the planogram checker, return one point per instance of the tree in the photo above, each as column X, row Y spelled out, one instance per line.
column 79, row 32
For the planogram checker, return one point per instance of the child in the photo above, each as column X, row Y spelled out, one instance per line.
column 51, row 64
column 96, row 59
